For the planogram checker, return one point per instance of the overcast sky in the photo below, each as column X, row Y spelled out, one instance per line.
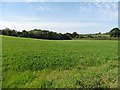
column 81, row 17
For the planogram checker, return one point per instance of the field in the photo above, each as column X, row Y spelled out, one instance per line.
column 35, row 63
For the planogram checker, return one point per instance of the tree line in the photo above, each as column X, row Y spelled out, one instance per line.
column 45, row 34
column 36, row 33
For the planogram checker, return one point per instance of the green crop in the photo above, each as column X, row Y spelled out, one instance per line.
column 36, row 63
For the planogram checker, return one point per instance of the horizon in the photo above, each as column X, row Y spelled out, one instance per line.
column 56, row 32
column 61, row 17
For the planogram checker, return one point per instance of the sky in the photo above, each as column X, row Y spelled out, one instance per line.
column 82, row 17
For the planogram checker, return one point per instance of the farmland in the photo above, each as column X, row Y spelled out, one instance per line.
column 37, row 63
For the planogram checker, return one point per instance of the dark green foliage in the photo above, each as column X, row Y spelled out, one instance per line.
column 69, row 35
column 24, row 34
column 36, row 33
column 0, row 32
column 115, row 32
column 45, row 34
column 74, row 34
column 9, row 32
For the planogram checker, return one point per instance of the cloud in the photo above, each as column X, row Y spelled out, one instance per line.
column 23, row 19
column 109, row 11
column 47, row 25
column 29, row 1
column 100, row 5
column 106, row 11
column 43, row 8
column 33, row 0
column 61, row 27
column 59, row 0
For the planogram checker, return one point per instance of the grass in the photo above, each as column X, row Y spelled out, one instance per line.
column 35, row 63
column 0, row 62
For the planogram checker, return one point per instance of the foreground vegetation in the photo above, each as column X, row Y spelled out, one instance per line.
column 36, row 63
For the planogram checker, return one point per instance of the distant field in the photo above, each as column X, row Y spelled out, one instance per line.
column 34, row 63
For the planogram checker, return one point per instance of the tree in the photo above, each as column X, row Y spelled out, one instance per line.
column 74, row 34
column 99, row 33
column 36, row 33
column 69, row 35
column 0, row 32
column 14, row 33
column 7, row 31
column 115, row 32
column 24, row 33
